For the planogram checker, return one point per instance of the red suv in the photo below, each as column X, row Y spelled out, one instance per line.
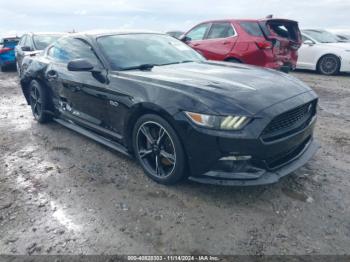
column 271, row 43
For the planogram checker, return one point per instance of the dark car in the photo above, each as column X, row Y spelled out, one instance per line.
column 175, row 34
column 7, row 54
column 32, row 44
column 270, row 42
column 151, row 96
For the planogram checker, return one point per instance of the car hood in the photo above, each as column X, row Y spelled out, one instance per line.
column 221, row 85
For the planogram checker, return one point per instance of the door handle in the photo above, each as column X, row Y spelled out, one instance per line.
column 196, row 44
column 51, row 75
column 225, row 42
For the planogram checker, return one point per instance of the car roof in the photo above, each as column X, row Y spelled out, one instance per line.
column 248, row 20
column 45, row 33
column 315, row 30
column 98, row 33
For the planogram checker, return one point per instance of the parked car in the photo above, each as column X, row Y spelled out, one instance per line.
column 7, row 54
column 176, row 34
column 32, row 44
column 151, row 96
column 322, row 51
column 271, row 43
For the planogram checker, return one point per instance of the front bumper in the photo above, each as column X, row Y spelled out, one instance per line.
column 218, row 157
column 263, row 177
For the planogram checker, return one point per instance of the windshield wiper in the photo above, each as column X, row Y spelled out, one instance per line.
column 143, row 67
column 146, row 67
column 175, row 63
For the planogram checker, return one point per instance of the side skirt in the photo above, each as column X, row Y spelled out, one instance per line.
column 100, row 139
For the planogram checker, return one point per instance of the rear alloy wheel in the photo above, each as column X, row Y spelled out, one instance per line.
column 39, row 102
column 329, row 65
column 158, row 149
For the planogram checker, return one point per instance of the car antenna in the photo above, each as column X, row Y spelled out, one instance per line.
column 269, row 16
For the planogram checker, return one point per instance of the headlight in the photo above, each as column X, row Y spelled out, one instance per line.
column 218, row 122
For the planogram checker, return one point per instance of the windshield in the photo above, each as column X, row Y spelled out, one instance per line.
column 322, row 36
column 42, row 41
column 134, row 50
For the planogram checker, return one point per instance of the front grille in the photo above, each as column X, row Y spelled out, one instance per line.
column 289, row 122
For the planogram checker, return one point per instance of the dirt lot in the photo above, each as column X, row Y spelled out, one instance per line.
column 61, row 193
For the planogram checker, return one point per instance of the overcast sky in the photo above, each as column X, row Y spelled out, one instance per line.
column 162, row 15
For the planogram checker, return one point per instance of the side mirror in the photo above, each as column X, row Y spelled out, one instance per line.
column 185, row 39
column 80, row 65
column 309, row 43
column 26, row 48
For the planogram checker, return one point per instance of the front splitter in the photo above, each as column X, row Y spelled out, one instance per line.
column 268, row 177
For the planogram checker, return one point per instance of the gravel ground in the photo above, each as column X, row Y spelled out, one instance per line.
column 61, row 193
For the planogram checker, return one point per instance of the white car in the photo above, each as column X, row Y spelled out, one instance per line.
column 322, row 51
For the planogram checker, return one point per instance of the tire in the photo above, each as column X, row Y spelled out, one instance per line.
column 233, row 60
column 328, row 65
column 3, row 68
column 156, row 144
column 40, row 102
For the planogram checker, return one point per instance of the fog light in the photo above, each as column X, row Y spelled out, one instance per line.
column 235, row 158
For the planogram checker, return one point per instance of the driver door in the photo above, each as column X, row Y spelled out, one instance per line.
column 83, row 96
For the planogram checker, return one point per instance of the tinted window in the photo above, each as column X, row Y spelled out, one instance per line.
column 289, row 30
column 252, row 28
column 43, row 41
column 132, row 50
column 67, row 49
column 220, row 30
column 198, row 32
column 280, row 30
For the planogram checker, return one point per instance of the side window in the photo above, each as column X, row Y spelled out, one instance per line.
column 304, row 38
column 67, row 49
column 252, row 28
column 220, row 30
column 198, row 32
column 28, row 42
column 23, row 39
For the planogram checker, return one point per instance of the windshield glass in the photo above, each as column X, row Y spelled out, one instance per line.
column 133, row 50
column 322, row 36
column 42, row 41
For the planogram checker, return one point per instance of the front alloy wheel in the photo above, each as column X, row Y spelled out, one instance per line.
column 329, row 65
column 158, row 149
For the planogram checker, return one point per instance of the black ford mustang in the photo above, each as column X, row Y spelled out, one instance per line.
column 150, row 96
